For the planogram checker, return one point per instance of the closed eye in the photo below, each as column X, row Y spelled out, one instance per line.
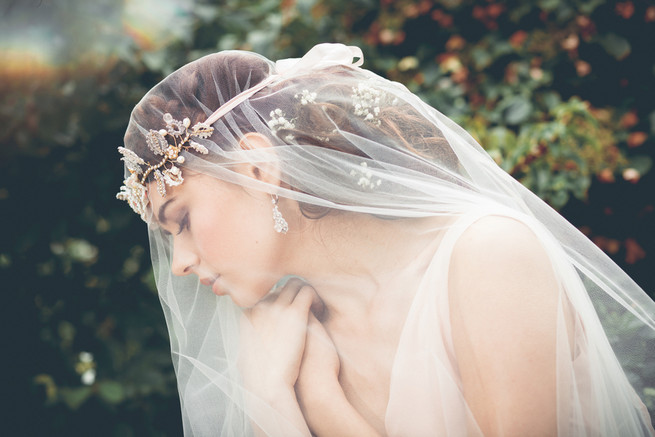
column 184, row 223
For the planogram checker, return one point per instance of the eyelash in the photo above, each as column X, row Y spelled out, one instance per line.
column 184, row 224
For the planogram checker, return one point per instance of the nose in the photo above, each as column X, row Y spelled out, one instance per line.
column 185, row 258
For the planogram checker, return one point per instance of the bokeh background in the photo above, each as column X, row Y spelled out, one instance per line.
column 561, row 94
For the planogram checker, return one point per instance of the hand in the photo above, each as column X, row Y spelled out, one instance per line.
column 317, row 387
column 273, row 335
column 320, row 396
column 318, row 379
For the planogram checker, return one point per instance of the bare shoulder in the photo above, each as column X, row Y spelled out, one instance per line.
column 500, row 275
column 503, row 297
column 501, row 236
column 499, row 250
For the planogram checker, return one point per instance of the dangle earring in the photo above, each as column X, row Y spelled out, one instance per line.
column 280, row 224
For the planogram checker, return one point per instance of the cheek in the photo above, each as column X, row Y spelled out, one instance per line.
column 223, row 236
column 213, row 239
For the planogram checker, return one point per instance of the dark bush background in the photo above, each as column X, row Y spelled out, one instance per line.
column 559, row 92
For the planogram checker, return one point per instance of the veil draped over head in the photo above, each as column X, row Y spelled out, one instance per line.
column 347, row 141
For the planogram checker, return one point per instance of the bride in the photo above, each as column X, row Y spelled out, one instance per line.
column 373, row 271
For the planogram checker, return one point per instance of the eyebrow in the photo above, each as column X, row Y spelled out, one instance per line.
column 161, row 216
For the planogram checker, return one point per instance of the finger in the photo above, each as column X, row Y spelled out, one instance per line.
column 313, row 323
column 287, row 287
column 289, row 291
column 305, row 298
column 318, row 341
column 316, row 328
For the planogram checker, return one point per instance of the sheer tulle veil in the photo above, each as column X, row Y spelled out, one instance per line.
column 347, row 141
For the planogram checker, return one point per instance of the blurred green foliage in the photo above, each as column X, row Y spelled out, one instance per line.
column 559, row 92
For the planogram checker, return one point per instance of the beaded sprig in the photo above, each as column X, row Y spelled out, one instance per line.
column 165, row 172
column 367, row 101
column 364, row 177
column 279, row 121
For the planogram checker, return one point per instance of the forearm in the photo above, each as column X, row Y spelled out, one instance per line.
column 331, row 414
column 287, row 418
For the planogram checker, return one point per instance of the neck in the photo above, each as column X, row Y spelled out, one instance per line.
column 352, row 260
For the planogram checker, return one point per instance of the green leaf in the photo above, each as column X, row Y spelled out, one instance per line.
column 549, row 5
column 305, row 6
column 641, row 163
column 558, row 198
column 589, row 6
column 481, row 58
column 501, row 138
column 66, row 332
column 111, row 391
column 75, row 397
column 551, row 99
column 616, row 46
column 518, row 110
column 651, row 118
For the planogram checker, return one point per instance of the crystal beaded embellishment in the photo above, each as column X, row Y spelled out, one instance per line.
column 165, row 171
column 279, row 223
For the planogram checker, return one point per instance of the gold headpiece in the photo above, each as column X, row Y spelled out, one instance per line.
column 134, row 190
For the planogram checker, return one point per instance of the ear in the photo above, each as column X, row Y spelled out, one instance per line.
column 264, row 167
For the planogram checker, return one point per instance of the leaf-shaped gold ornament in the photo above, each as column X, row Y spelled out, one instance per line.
column 156, row 142
column 198, row 147
column 132, row 160
column 173, row 176
column 161, row 185
column 201, row 130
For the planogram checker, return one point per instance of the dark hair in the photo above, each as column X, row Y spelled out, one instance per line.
column 190, row 92
column 199, row 88
column 401, row 127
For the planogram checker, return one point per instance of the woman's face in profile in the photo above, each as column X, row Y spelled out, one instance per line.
column 221, row 233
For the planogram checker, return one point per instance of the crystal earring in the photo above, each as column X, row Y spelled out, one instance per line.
column 280, row 224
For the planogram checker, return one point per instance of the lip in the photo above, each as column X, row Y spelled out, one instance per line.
column 216, row 287
column 207, row 281
column 213, row 283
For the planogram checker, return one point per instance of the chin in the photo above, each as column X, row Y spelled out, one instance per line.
column 245, row 300
column 238, row 303
column 250, row 295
